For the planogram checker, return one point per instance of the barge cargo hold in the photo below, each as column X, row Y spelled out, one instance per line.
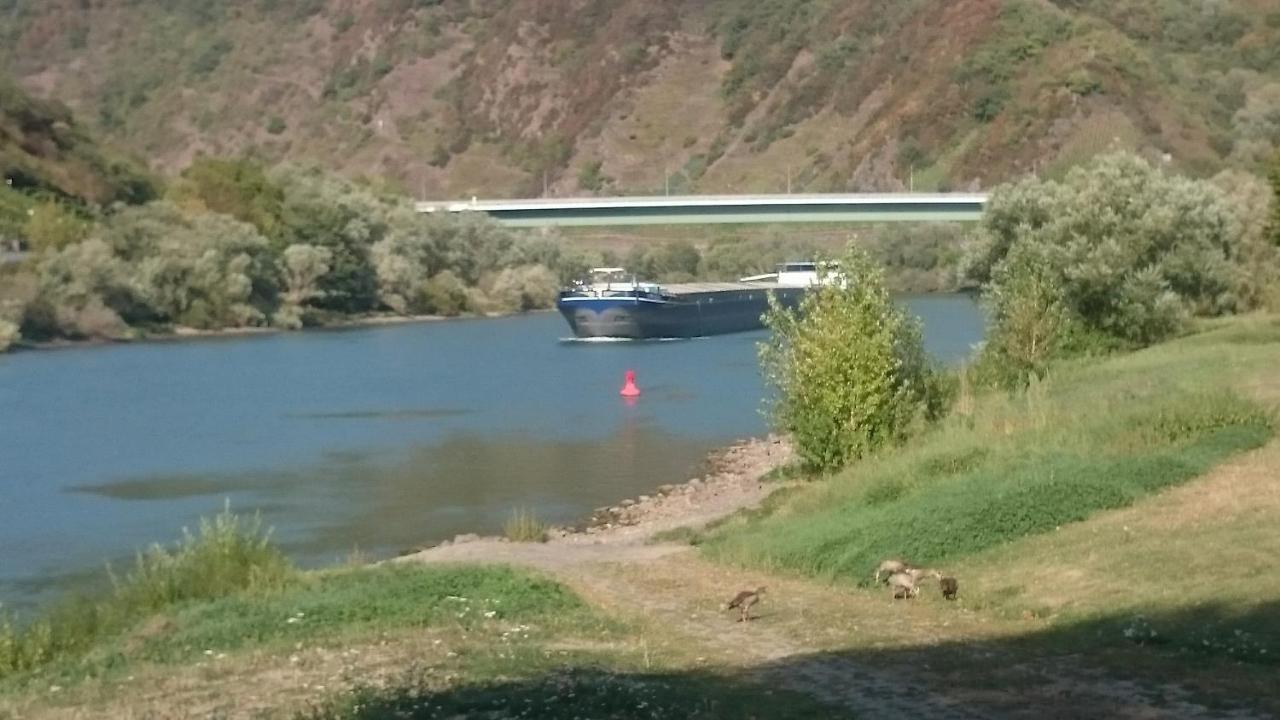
column 636, row 310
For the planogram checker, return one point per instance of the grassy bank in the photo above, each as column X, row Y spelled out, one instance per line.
column 220, row 624
column 1093, row 436
column 226, row 587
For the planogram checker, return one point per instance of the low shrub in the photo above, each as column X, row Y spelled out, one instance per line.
column 524, row 526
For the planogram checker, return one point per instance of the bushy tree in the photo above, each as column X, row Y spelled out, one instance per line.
column 238, row 187
column 303, row 266
column 10, row 333
column 211, row 271
column 18, row 287
column 444, row 294
column 674, row 261
column 52, row 225
column 1130, row 249
column 324, row 211
column 1253, row 206
column 520, row 289
column 732, row 258
column 849, row 368
column 82, row 290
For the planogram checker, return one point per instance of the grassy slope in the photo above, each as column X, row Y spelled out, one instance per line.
column 449, row 640
column 1094, row 436
column 461, row 99
column 997, row 494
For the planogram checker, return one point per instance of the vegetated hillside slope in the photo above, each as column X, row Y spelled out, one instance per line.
column 44, row 149
column 506, row 97
column 46, row 153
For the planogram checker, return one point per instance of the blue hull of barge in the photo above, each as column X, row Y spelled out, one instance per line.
column 677, row 316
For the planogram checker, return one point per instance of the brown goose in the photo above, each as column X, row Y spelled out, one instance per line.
column 744, row 600
column 950, row 586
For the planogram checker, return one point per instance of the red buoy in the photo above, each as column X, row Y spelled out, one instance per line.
column 629, row 388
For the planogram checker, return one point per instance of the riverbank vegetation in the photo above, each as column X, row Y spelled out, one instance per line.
column 849, row 368
column 227, row 587
column 1110, row 374
column 233, row 246
column 223, row 609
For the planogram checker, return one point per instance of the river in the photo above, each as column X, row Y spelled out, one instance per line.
column 377, row 439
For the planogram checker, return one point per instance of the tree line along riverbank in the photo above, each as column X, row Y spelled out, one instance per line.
column 233, row 245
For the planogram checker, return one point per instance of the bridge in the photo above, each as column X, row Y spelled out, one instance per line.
column 707, row 209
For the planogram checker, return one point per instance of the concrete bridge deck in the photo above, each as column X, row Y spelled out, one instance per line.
column 709, row 209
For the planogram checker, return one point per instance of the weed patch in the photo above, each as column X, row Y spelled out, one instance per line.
column 524, row 526
column 227, row 555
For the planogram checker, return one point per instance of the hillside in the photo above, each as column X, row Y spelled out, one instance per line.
column 43, row 149
column 506, row 97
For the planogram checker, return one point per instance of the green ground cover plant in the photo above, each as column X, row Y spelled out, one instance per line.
column 227, row 586
column 1094, row 435
column 341, row 603
column 227, row 554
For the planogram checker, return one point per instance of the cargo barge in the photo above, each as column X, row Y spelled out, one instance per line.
column 610, row 306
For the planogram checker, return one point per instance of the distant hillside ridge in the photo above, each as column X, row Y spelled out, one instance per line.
column 525, row 97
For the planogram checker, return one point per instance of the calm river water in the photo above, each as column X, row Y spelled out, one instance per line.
column 377, row 438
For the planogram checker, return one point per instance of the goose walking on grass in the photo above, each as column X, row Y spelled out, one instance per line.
column 950, row 586
column 903, row 585
column 889, row 567
column 743, row 601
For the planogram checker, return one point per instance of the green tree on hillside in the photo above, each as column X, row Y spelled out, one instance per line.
column 849, row 368
column 238, row 187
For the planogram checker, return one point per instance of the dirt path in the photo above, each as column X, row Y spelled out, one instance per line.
column 811, row 637
column 615, row 566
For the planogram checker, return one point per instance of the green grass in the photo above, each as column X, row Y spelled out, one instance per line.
column 227, row 555
column 336, row 604
column 1096, row 435
column 227, row 587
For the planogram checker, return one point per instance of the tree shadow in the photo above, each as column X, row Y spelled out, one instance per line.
column 1201, row 662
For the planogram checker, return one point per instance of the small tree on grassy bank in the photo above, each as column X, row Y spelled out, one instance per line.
column 849, row 368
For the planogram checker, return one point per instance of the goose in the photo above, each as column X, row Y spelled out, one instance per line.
column 744, row 600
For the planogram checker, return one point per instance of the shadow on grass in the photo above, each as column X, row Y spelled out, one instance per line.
column 1210, row 661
